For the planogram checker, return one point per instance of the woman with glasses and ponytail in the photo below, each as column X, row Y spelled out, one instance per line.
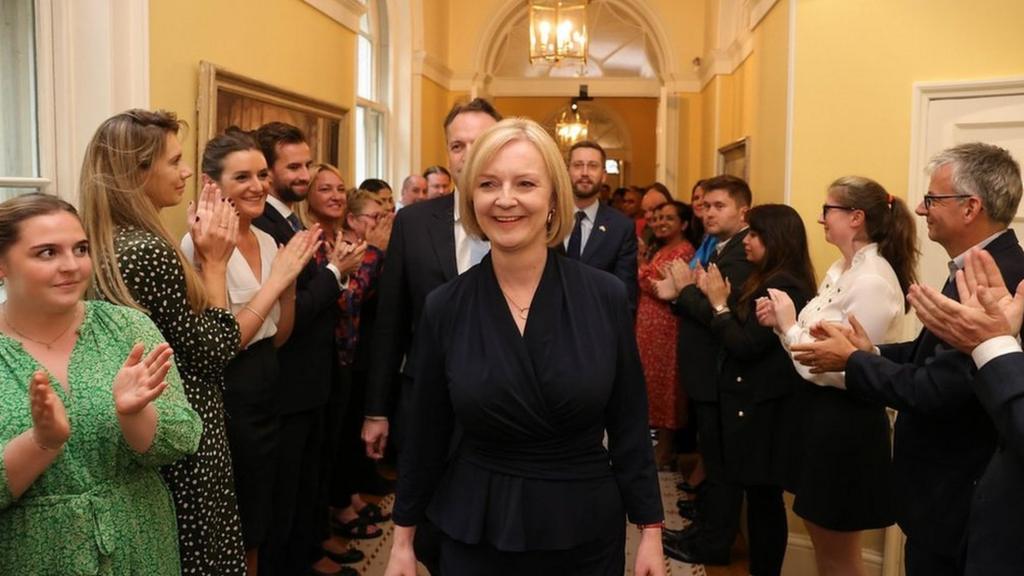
column 841, row 476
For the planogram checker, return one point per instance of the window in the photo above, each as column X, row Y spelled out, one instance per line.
column 20, row 170
column 372, row 93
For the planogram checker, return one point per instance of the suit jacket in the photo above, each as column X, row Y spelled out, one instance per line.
column 308, row 358
column 756, row 383
column 943, row 438
column 611, row 247
column 421, row 257
column 995, row 529
column 698, row 346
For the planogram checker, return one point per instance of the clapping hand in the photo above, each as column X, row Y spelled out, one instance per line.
column 765, row 312
column 715, row 287
column 347, row 257
column 785, row 311
column 213, row 224
column 855, row 333
column 50, row 426
column 140, row 381
column 829, row 354
column 665, row 288
column 987, row 309
column 294, row 256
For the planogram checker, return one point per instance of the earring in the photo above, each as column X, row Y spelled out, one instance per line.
column 551, row 216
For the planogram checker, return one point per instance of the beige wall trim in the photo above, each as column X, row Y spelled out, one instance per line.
column 799, row 559
column 758, row 10
column 344, row 12
column 787, row 191
column 431, row 67
column 568, row 87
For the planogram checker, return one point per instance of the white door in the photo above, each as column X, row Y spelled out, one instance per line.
column 996, row 119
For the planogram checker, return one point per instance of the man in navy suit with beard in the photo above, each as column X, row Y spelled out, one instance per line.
column 602, row 236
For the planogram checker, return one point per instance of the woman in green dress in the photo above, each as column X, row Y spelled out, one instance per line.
column 90, row 405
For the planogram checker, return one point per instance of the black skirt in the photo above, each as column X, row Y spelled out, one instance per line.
column 841, row 478
column 253, row 425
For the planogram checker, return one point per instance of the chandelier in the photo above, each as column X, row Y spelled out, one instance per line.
column 558, row 30
column 571, row 127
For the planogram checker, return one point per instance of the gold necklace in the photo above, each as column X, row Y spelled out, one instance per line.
column 523, row 311
column 49, row 345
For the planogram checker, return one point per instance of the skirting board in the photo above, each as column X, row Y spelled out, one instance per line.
column 800, row 558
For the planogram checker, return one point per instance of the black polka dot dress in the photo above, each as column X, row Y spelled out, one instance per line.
column 209, row 530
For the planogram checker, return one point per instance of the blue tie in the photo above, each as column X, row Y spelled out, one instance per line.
column 576, row 238
column 703, row 254
column 293, row 220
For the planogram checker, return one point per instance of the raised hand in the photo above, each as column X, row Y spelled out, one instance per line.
column 347, row 257
column 964, row 326
column 140, row 381
column 50, row 426
column 785, row 311
column 765, row 312
column 293, row 257
column 380, row 233
column 681, row 274
column 715, row 287
column 213, row 225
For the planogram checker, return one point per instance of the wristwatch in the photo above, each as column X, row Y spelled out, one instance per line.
column 721, row 309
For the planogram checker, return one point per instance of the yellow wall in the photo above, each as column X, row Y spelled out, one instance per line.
column 639, row 115
column 750, row 102
column 435, row 106
column 286, row 43
column 856, row 63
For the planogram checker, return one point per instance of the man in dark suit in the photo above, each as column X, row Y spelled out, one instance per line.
column 727, row 200
column 986, row 328
column 602, row 236
column 306, row 360
column 428, row 247
column 943, row 439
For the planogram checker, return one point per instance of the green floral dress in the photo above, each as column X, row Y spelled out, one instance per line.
column 101, row 508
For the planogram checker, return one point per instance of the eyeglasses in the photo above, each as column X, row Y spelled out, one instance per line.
column 931, row 199
column 826, row 207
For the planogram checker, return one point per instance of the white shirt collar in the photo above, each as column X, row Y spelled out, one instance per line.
column 591, row 211
column 279, row 206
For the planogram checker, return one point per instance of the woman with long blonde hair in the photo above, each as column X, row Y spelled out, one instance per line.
column 133, row 169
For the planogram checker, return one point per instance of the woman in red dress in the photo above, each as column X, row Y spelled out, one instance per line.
column 657, row 328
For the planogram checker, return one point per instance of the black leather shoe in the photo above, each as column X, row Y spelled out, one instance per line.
column 685, row 486
column 687, row 509
column 677, row 536
column 690, row 553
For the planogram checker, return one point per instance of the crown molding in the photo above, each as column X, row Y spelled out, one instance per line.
column 428, row 65
column 569, row 87
column 344, row 12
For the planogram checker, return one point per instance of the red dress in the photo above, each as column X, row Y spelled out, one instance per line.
column 657, row 330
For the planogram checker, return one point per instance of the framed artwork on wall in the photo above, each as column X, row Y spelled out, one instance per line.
column 734, row 158
column 227, row 99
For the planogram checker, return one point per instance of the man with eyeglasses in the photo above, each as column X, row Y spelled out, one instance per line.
column 943, row 438
column 602, row 236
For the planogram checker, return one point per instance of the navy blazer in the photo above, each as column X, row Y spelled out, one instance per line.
column 995, row 529
column 943, row 438
column 611, row 247
column 421, row 257
column 308, row 358
column 698, row 346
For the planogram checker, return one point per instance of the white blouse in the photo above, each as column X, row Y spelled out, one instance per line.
column 869, row 290
column 242, row 284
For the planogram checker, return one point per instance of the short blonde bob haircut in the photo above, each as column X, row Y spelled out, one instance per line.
column 485, row 148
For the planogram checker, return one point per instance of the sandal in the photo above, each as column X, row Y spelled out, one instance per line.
column 357, row 529
column 373, row 513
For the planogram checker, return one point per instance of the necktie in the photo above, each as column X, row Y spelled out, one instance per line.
column 704, row 252
column 576, row 238
column 294, row 221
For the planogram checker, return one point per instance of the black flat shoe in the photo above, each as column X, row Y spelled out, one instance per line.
column 350, row 556
column 677, row 536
